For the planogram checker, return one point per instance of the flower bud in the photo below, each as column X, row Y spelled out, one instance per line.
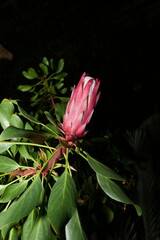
column 80, row 107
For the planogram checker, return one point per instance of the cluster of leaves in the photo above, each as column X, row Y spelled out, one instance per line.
column 37, row 206
column 50, row 86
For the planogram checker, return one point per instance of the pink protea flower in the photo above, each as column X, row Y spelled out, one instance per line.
column 80, row 107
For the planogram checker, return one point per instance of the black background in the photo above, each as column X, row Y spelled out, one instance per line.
column 116, row 41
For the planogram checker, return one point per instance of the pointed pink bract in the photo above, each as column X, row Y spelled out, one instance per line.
column 80, row 107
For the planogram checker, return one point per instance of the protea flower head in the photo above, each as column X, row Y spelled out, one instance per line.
column 80, row 107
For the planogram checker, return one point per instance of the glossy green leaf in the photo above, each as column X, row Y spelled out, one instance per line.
column 27, row 116
column 13, row 132
column 6, row 111
column 13, row 234
column 31, row 74
column 62, row 201
column 27, row 75
column 74, row 229
column 44, row 68
column 7, row 164
column 45, row 61
column 61, row 76
column 24, row 152
column 115, row 192
column 13, row 191
column 2, row 188
column 16, row 121
column 4, row 146
column 5, row 230
column 29, row 225
column 25, row 88
column 51, row 64
column 13, row 149
column 49, row 117
column 60, row 66
column 59, row 85
column 102, row 169
column 42, row 229
column 23, row 206
column 60, row 110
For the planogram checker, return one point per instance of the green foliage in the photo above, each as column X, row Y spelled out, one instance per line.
column 49, row 87
column 62, row 201
column 57, row 201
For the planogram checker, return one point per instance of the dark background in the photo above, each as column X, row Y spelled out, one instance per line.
column 116, row 41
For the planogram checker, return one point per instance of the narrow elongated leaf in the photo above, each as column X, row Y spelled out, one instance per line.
column 6, row 111
column 60, row 110
column 45, row 61
column 5, row 230
column 7, row 164
column 102, row 169
column 24, row 152
column 61, row 76
column 60, row 66
column 27, row 116
column 4, row 146
column 62, row 201
column 2, row 188
column 23, row 206
column 29, row 225
column 42, row 229
column 49, row 117
column 115, row 192
column 74, row 230
column 13, row 132
column 44, row 68
column 13, row 234
column 13, row 191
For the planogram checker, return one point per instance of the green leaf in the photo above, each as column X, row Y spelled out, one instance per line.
column 115, row 192
column 42, row 229
column 45, row 61
column 31, row 74
column 13, row 234
column 6, row 111
column 2, row 188
column 13, row 132
column 29, row 225
column 59, row 85
column 49, row 117
column 60, row 110
column 25, row 88
column 16, row 121
column 23, row 206
column 64, row 90
column 6, row 230
column 4, row 146
column 62, row 201
column 60, row 66
column 27, row 116
column 51, row 63
column 13, row 191
column 23, row 150
column 102, row 169
column 44, row 68
column 60, row 76
column 7, row 164
column 74, row 229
